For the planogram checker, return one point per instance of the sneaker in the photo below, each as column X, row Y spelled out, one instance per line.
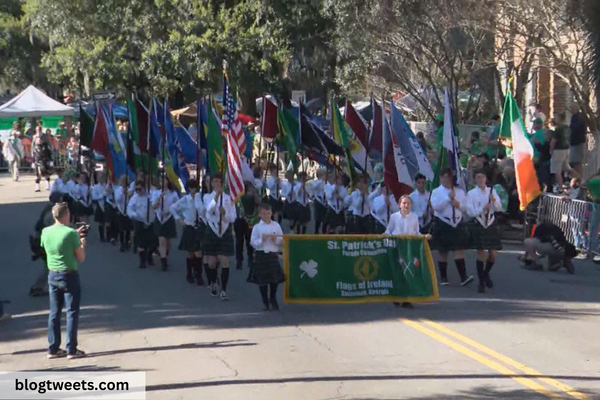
column 488, row 282
column 224, row 296
column 59, row 354
column 444, row 282
column 467, row 281
column 5, row 317
column 77, row 354
column 274, row 305
column 213, row 290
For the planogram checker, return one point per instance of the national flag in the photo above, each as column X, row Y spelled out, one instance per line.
column 236, row 143
column 100, row 141
column 342, row 136
column 376, row 133
column 395, row 172
column 450, row 144
column 311, row 141
column 202, row 123
column 268, row 121
column 116, row 144
column 357, row 141
column 214, row 140
column 330, row 145
column 86, row 127
column 528, row 187
column 171, row 163
column 416, row 159
column 287, row 126
column 357, row 123
column 134, row 160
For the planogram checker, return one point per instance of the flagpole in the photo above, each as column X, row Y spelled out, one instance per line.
column 148, row 147
column 225, row 152
column 198, row 133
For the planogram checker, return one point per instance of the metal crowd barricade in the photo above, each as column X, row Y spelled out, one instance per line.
column 574, row 217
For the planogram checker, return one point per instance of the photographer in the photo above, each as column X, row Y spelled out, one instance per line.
column 64, row 249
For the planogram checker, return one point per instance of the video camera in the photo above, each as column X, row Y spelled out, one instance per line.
column 83, row 232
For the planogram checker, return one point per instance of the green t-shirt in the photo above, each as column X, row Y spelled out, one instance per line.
column 537, row 137
column 60, row 242
column 562, row 134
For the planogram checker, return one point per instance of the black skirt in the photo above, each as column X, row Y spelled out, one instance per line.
column 448, row 238
column 289, row 210
column 82, row 210
column 377, row 228
column 276, row 204
column 100, row 214
column 333, row 219
column 358, row 225
column 125, row 224
column 167, row 229
column 266, row 269
column 218, row 246
column 320, row 211
column 302, row 214
column 144, row 236
column 484, row 238
column 192, row 237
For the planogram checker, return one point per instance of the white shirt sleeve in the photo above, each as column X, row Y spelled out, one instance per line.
column 439, row 200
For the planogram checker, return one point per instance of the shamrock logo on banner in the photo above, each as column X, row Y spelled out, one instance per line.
column 309, row 268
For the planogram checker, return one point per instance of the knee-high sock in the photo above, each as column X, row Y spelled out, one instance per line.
column 263, row 293
column 443, row 266
column 317, row 226
column 101, row 232
column 462, row 268
column 142, row 255
column 304, row 229
column 273, row 291
column 207, row 272
column 480, row 272
column 224, row 278
column 488, row 266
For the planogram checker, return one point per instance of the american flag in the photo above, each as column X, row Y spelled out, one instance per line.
column 236, row 143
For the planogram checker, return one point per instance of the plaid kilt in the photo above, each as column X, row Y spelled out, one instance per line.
column 192, row 237
column 82, row 210
column 111, row 216
column 276, row 204
column 144, row 236
column 167, row 229
column 320, row 211
column 289, row 210
column 218, row 246
column 125, row 224
column 448, row 238
column 358, row 225
column 266, row 269
column 333, row 219
column 99, row 214
column 484, row 238
column 302, row 214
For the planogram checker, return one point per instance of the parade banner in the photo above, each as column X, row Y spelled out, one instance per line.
column 358, row 269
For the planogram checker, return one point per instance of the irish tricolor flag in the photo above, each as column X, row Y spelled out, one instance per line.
column 512, row 126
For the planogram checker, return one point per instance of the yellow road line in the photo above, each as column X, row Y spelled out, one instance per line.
column 509, row 361
column 531, row 384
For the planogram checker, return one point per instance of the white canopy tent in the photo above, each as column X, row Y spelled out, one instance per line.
column 32, row 102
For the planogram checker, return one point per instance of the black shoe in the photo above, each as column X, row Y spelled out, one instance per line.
column 488, row 282
column 274, row 305
column 396, row 304
column 406, row 304
column 467, row 281
column 122, row 249
column 444, row 282
column 266, row 307
column 142, row 266
column 189, row 277
column 481, row 288
column 150, row 261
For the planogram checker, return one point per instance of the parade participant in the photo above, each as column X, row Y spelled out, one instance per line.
column 70, row 191
column 189, row 210
column 335, row 194
column 482, row 207
column 111, row 213
column 289, row 205
column 317, row 188
column 42, row 155
column 139, row 210
column 58, row 189
column 247, row 217
column 420, row 201
column 125, row 223
column 65, row 248
column 384, row 205
column 40, row 287
column 266, row 272
column 13, row 152
column 404, row 222
column 218, row 242
column 450, row 233
column 164, row 224
column 98, row 197
column 207, row 196
column 359, row 205
column 84, row 199
column 302, row 214
column 274, row 186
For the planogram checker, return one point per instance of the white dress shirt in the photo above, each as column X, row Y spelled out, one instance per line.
column 403, row 224
column 83, row 194
column 70, row 188
column 419, row 206
column 163, row 207
column 380, row 211
column 122, row 198
column 477, row 199
column 358, row 203
column 137, row 209
column 274, row 187
column 301, row 194
column 206, row 199
column 287, row 191
column 335, row 197
column 213, row 214
column 110, row 195
column 58, row 186
column 98, row 194
column 189, row 209
column 269, row 245
column 317, row 190
column 442, row 206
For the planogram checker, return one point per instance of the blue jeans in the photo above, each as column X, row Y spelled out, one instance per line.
column 65, row 291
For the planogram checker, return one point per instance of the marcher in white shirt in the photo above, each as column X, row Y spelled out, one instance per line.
column 420, row 200
column 164, row 225
column 58, row 189
column 83, row 196
column 404, row 222
column 98, row 197
column 335, row 194
column 189, row 210
column 266, row 272
column 384, row 205
column 13, row 152
column 274, row 187
column 218, row 242
column 317, row 190
column 450, row 233
column 481, row 206
column 360, row 206
column 289, row 205
column 302, row 215
column 139, row 210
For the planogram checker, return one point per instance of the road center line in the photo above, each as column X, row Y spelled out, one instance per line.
column 529, row 383
column 509, row 361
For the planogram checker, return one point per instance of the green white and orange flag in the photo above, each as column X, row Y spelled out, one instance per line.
column 512, row 126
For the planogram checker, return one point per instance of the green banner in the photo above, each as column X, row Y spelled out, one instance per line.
column 358, row 269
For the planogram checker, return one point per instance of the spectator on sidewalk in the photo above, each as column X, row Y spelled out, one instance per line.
column 548, row 240
column 578, row 140
column 559, row 149
column 65, row 249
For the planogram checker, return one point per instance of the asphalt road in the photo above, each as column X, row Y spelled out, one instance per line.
column 534, row 336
